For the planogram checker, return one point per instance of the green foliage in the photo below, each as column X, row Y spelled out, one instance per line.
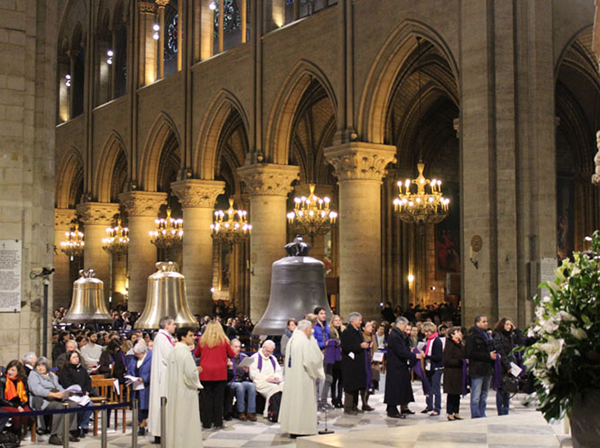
column 565, row 360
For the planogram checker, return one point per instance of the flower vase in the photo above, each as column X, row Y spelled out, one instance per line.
column 585, row 419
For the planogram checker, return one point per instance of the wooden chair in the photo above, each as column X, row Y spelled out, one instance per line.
column 106, row 391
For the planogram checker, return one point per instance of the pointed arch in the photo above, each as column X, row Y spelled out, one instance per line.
column 378, row 89
column 160, row 132
column 281, row 119
column 112, row 150
column 204, row 159
column 69, row 175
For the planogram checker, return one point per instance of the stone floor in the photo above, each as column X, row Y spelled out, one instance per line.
column 523, row 428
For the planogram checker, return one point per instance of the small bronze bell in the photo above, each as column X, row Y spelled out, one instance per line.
column 88, row 300
column 166, row 297
column 297, row 288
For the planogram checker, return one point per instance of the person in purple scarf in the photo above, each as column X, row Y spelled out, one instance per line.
column 480, row 352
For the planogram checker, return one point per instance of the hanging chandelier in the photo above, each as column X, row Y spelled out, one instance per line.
column 421, row 206
column 117, row 239
column 425, row 205
column 73, row 245
column 312, row 215
column 231, row 226
column 168, row 233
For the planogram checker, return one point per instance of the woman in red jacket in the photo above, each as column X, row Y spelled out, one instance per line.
column 213, row 351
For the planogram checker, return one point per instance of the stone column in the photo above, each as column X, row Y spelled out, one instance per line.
column 61, row 284
column 148, row 46
column 96, row 217
column 360, row 168
column 198, row 200
column 142, row 208
column 268, row 186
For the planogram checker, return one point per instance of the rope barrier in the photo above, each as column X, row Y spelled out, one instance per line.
column 4, row 414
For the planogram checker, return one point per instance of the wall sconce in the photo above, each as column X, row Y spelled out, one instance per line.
column 212, row 6
column 110, row 54
column 476, row 246
column 68, row 78
column 411, row 278
column 156, row 29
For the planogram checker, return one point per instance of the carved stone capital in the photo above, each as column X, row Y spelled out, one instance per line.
column 267, row 179
column 360, row 161
column 162, row 3
column 63, row 218
column 196, row 193
column 142, row 203
column 147, row 7
column 97, row 213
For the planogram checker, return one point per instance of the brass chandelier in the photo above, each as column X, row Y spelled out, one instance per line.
column 117, row 239
column 73, row 245
column 231, row 225
column 168, row 233
column 312, row 215
column 426, row 205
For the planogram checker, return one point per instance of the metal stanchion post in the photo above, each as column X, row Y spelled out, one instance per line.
column 66, row 418
column 163, row 422
column 134, row 423
column 104, row 429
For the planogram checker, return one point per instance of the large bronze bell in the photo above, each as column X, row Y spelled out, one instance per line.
column 297, row 288
column 88, row 303
column 166, row 297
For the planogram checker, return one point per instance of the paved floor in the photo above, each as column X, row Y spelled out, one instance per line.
column 524, row 427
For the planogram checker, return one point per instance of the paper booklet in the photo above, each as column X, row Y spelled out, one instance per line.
column 247, row 361
column 135, row 381
column 80, row 400
column 378, row 356
column 515, row 370
column 74, row 389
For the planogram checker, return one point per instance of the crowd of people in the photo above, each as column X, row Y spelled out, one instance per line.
column 318, row 364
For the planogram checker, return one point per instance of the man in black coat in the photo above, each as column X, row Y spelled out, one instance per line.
column 398, row 389
column 353, row 363
column 479, row 348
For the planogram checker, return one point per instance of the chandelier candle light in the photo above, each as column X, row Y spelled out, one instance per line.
column 117, row 239
column 168, row 233
column 73, row 245
column 421, row 206
column 231, row 225
column 312, row 215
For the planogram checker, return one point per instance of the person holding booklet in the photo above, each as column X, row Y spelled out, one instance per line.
column 74, row 374
column 138, row 373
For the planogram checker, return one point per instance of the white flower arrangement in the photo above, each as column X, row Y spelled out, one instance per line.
column 565, row 359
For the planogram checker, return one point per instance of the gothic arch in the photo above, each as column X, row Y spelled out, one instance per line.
column 588, row 29
column 283, row 112
column 162, row 128
column 112, row 150
column 69, row 174
column 388, row 63
column 204, row 159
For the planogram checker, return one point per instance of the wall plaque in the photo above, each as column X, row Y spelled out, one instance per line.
column 10, row 276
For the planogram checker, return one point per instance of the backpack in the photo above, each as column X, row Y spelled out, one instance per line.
column 274, row 404
column 9, row 440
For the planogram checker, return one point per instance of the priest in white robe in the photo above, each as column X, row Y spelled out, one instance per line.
column 183, row 410
column 265, row 372
column 163, row 346
column 303, row 366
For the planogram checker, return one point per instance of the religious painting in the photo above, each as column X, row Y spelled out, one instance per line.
column 225, row 265
column 447, row 236
column 564, row 218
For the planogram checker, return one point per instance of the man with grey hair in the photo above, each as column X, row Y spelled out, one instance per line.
column 71, row 346
column 239, row 385
column 163, row 346
column 304, row 365
column 28, row 361
column 266, row 373
column 398, row 388
column 353, row 363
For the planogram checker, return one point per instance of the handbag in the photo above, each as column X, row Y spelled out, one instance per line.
column 510, row 384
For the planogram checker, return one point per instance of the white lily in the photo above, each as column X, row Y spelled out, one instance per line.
column 554, row 349
column 579, row 333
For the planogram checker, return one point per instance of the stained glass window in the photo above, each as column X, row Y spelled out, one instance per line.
column 231, row 17
column 171, row 37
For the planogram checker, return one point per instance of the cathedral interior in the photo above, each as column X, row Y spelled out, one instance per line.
column 123, row 112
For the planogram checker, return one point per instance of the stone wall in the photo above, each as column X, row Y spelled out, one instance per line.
column 27, row 158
